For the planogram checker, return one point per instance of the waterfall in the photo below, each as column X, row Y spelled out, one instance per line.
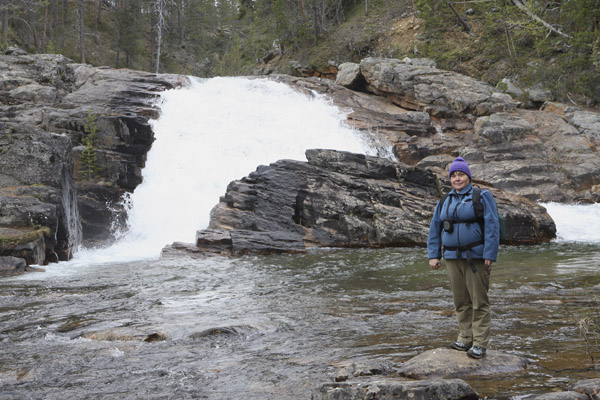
column 209, row 134
column 575, row 222
column 221, row 129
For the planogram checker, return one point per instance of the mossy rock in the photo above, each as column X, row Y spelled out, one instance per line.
column 11, row 238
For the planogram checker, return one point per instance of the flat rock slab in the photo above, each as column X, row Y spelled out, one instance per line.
column 447, row 363
column 563, row 396
column 125, row 334
column 430, row 389
column 591, row 387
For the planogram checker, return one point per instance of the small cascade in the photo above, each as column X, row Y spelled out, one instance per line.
column 575, row 222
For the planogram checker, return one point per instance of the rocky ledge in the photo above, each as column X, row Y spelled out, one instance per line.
column 341, row 199
column 437, row 374
column 48, row 106
column 543, row 150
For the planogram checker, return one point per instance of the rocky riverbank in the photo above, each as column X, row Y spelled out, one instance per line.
column 340, row 199
column 75, row 137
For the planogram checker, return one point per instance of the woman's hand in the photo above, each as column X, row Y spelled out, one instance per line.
column 434, row 263
column 488, row 266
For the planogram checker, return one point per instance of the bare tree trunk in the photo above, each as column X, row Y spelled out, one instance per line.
column 160, row 10
column 152, row 43
column 54, row 18
column 81, row 32
column 63, row 22
column 32, row 27
column 303, row 9
column 523, row 8
column 466, row 26
column 98, row 9
column 4, row 20
column 180, row 11
column 46, row 23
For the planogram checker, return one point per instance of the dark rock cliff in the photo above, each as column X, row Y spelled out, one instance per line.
column 47, row 105
column 427, row 116
column 340, row 199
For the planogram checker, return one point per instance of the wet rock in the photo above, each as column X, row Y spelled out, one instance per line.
column 179, row 249
column 12, row 265
column 383, row 122
column 341, row 199
column 447, row 363
column 39, row 192
column 591, row 387
column 362, row 369
column 46, row 102
column 430, row 389
column 214, row 332
column 125, row 334
column 561, row 396
column 98, row 203
column 11, row 376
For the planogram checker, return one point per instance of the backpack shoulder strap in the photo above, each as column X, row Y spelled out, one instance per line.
column 442, row 200
column 478, row 207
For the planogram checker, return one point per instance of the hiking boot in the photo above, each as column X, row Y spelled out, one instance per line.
column 460, row 346
column 476, row 352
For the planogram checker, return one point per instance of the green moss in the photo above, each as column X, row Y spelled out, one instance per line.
column 11, row 238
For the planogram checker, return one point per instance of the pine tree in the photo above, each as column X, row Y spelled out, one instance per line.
column 89, row 161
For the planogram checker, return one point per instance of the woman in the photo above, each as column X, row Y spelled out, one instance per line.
column 470, row 246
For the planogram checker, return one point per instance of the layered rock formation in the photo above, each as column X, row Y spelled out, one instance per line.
column 340, row 199
column 547, row 154
column 429, row 116
column 48, row 105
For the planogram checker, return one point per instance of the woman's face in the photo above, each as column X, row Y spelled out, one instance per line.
column 459, row 180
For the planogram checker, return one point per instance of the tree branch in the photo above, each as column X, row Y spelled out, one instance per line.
column 462, row 21
column 523, row 8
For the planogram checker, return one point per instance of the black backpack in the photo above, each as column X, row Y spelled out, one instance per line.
column 478, row 207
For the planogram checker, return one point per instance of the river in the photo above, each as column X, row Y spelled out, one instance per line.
column 122, row 323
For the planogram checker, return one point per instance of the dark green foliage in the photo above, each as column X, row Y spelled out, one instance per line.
column 89, row 168
column 208, row 38
column 564, row 59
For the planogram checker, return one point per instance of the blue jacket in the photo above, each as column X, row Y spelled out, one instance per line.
column 459, row 207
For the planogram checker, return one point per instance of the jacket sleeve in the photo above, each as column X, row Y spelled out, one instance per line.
column 434, row 240
column 492, row 226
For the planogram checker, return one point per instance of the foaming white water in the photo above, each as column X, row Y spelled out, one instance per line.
column 575, row 223
column 208, row 135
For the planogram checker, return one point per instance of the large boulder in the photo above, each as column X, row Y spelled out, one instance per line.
column 433, row 389
column 549, row 154
column 341, row 199
column 48, row 105
column 447, row 363
column 440, row 93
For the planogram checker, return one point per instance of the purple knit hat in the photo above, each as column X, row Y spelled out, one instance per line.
column 459, row 164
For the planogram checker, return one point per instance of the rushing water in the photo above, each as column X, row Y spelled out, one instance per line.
column 121, row 323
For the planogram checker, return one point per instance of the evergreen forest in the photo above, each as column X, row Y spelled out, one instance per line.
column 551, row 44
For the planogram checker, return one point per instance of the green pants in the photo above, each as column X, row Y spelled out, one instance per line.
column 471, row 302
